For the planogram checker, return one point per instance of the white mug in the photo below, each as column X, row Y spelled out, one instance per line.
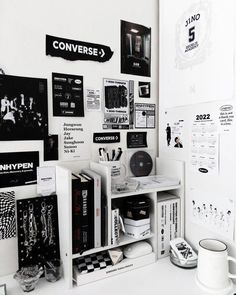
column 213, row 267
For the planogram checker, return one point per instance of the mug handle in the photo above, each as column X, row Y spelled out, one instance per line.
column 230, row 258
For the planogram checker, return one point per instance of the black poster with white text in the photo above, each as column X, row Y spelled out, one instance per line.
column 77, row 50
column 18, row 168
column 68, row 95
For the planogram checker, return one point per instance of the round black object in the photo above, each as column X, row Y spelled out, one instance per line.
column 141, row 164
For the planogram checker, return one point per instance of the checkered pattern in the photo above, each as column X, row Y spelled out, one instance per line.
column 7, row 215
column 93, row 262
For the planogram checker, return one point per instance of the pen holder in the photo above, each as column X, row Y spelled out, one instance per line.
column 117, row 170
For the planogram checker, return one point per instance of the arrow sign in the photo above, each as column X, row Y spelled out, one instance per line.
column 107, row 137
column 77, row 50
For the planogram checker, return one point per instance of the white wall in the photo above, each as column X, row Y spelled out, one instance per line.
column 24, row 25
column 181, row 92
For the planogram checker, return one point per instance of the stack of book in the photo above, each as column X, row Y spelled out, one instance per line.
column 88, row 211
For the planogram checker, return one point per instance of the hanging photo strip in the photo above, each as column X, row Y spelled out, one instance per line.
column 7, row 215
column 24, row 111
column 37, row 225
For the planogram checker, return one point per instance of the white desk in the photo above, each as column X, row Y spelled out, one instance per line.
column 161, row 278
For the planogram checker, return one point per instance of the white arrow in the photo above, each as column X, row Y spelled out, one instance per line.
column 102, row 52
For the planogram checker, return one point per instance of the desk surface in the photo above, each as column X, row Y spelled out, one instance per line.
column 159, row 278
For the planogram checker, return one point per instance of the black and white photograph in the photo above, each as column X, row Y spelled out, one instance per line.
column 51, row 147
column 7, row 215
column 68, row 95
column 24, row 108
column 135, row 49
column 118, row 104
column 144, row 89
column 18, row 168
column 37, row 225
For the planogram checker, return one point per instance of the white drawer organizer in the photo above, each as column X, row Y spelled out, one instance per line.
column 170, row 168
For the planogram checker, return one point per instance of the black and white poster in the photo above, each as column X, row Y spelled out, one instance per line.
column 74, row 140
column 7, row 215
column 144, row 89
column 37, row 225
column 119, row 104
column 51, row 147
column 135, row 49
column 68, row 96
column 145, row 115
column 136, row 139
column 24, row 108
column 77, row 50
column 192, row 35
column 18, row 168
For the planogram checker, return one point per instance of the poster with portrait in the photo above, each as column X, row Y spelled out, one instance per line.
column 50, row 147
column 135, row 49
column 68, row 96
column 24, row 110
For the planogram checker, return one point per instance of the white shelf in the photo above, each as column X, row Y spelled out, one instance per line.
column 174, row 169
column 125, row 265
column 124, row 240
column 145, row 191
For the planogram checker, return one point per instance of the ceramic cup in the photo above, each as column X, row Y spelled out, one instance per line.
column 213, row 267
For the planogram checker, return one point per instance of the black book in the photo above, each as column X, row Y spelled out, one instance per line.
column 104, row 222
column 91, row 209
column 80, row 217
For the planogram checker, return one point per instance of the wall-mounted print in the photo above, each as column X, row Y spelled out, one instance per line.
column 18, row 168
column 7, row 215
column 68, row 95
column 77, row 50
column 24, row 108
column 37, row 225
column 51, row 147
column 144, row 89
column 135, row 49
column 118, row 97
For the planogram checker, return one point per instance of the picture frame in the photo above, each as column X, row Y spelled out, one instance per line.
column 3, row 289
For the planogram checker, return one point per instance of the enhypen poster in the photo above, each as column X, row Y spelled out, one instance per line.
column 24, row 111
column 18, row 168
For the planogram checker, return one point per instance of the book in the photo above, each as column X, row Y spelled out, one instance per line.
column 91, row 209
column 115, row 231
column 76, row 215
column 168, row 222
column 104, row 221
column 97, row 205
column 81, row 223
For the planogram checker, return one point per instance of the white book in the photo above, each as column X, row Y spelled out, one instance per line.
column 97, row 205
column 115, row 234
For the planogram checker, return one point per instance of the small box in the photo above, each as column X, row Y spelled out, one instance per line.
column 168, row 222
column 137, row 208
column 137, row 228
